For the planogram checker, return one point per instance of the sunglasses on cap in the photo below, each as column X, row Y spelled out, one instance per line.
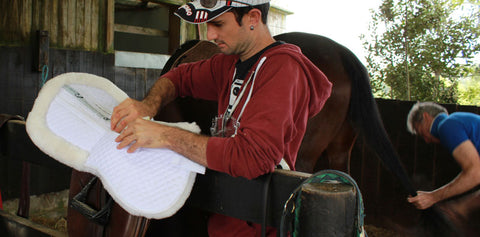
column 213, row 3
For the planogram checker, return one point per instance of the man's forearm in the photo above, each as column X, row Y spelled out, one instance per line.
column 190, row 145
column 161, row 93
column 462, row 183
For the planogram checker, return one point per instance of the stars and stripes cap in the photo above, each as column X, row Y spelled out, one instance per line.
column 200, row 11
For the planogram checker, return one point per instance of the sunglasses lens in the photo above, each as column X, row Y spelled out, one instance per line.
column 208, row 3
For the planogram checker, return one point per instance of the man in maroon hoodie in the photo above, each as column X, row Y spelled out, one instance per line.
column 266, row 91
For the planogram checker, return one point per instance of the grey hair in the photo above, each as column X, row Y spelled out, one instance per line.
column 415, row 115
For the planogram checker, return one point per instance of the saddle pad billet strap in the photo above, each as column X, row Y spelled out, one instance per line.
column 78, row 203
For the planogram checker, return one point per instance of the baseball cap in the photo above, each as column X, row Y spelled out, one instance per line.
column 200, row 11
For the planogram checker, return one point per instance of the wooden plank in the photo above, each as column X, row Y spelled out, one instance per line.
column 173, row 31
column 26, row 20
column 45, row 16
column 62, row 23
column 152, row 77
column 13, row 225
column 9, row 26
column 140, row 30
column 140, row 79
column 13, row 24
column 96, row 25
column 54, row 22
column 109, row 67
column 71, row 22
column 88, row 57
column 80, row 24
column 92, row 63
column 72, row 61
column 125, row 77
column 4, row 18
column 58, row 62
column 37, row 15
column 87, row 39
column 110, row 25
column 81, row 62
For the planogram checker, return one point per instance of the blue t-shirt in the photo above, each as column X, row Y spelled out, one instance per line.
column 456, row 128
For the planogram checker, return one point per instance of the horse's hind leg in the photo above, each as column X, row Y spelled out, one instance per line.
column 339, row 149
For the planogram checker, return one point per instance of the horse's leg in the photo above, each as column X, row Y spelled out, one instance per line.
column 339, row 150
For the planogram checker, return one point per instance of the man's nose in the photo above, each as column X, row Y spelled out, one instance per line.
column 211, row 33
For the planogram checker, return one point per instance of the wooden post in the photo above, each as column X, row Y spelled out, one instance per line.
column 173, row 31
column 327, row 209
column 110, row 25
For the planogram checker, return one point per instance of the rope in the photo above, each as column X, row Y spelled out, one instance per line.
column 44, row 75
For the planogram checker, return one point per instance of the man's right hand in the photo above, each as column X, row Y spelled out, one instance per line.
column 127, row 111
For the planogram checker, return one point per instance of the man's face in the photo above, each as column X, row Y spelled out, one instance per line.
column 423, row 129
column 227, row 34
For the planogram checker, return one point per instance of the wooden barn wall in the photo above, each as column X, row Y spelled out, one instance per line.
column 73, row 24
column 430, row 166
column 19, row 84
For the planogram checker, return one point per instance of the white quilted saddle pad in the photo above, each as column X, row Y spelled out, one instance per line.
column 70, row 121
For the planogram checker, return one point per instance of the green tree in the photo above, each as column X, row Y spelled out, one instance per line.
column 469, row 88
column 416, row 48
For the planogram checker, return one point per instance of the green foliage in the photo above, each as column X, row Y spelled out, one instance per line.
column 469, row 88
column 415, row 46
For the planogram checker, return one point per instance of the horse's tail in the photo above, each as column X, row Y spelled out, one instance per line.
column 366, row 119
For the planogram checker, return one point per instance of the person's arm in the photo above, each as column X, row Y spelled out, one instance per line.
column 145, row 133
column 468, row 158
column 161, row 93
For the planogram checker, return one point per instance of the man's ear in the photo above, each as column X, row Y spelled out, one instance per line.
column 425, row 115
column 254, row 17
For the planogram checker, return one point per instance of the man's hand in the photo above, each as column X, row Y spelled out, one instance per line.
column 143, row 133
column 423, row 200
column 128, row 111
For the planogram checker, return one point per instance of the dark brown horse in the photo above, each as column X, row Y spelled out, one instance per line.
column 349, row 113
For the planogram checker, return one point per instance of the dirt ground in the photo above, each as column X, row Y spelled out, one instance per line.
column 49, row 209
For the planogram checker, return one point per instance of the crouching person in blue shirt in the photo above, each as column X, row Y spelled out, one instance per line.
column 459, row 132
